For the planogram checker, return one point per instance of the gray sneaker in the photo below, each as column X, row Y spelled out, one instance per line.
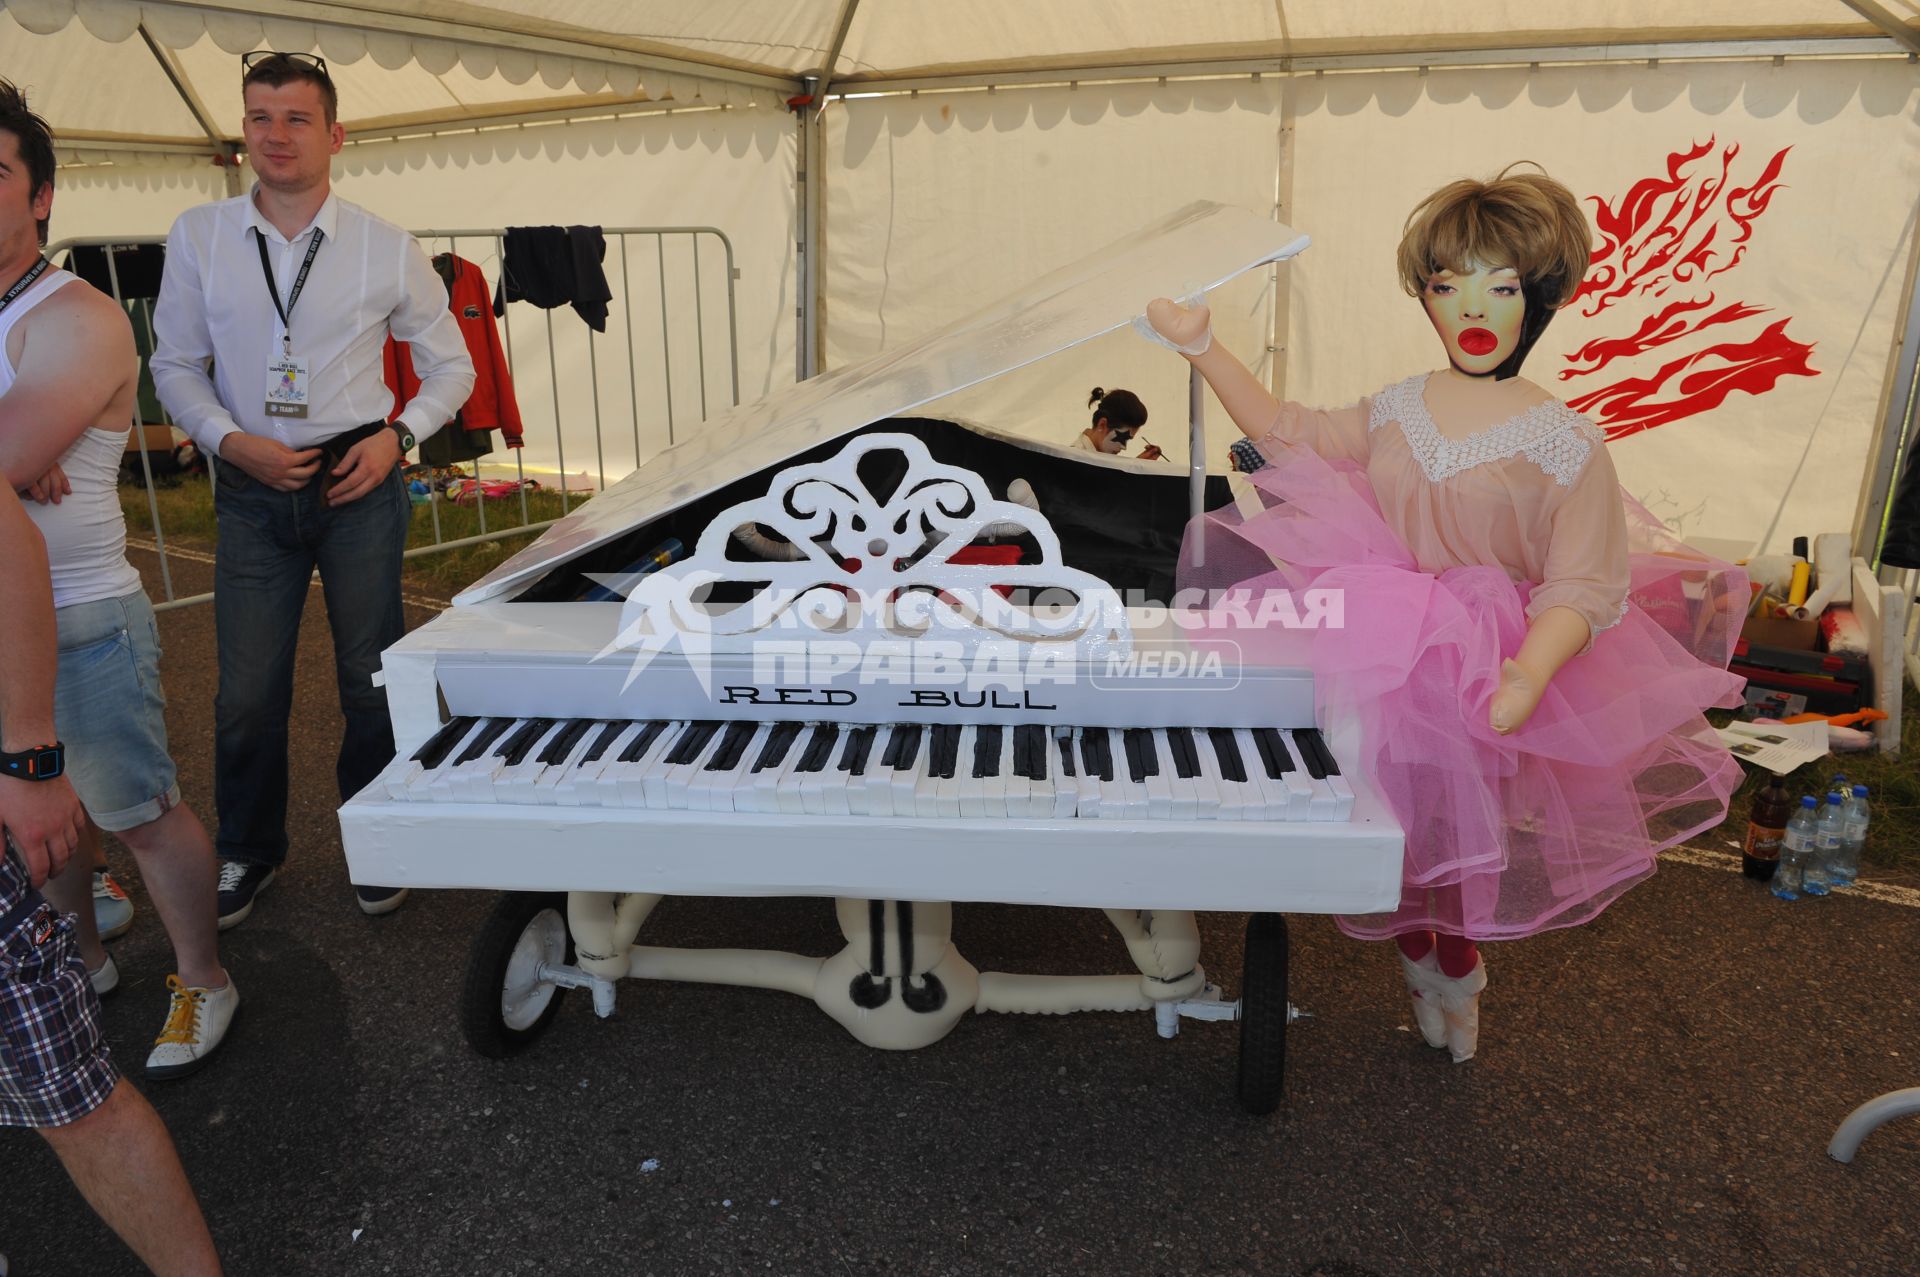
column 112, row 910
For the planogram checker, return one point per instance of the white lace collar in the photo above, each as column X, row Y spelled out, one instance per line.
column 1549, row 434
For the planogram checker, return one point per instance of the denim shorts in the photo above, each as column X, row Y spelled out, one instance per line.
column 110, row 713
column 54, row 1064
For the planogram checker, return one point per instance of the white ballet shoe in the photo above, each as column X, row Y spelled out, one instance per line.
column 1447, row 1008
column 1424, row 983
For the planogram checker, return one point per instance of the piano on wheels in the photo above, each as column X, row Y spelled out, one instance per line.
column 827, row 648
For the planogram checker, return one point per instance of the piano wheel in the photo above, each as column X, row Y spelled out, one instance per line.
column 1264, row 1013
column 504, row 1005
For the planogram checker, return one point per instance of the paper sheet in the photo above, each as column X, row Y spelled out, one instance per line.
column 1777, row 747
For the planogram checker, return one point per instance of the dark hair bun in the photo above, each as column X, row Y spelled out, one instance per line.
column 1095, row 397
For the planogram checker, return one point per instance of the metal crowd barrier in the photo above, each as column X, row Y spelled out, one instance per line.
column 673, row 315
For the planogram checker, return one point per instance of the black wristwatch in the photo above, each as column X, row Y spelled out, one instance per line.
column 404, row 435
column 42, row 762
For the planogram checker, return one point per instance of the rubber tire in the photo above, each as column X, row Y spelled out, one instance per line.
column 1263, row 1014
column 481, row 1019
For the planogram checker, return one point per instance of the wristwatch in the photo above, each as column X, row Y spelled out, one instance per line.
column 42, row 762
column 404, row 435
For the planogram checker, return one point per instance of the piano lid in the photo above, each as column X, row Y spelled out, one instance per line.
column 1202, row 246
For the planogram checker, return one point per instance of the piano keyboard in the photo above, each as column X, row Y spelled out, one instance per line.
column 931, row 771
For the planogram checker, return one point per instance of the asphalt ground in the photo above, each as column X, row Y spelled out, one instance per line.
column 1654, row 1093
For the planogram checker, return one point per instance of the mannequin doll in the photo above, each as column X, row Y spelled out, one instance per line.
column 1531, row 721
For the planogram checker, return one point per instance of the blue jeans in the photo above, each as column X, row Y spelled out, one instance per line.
column 269, row 544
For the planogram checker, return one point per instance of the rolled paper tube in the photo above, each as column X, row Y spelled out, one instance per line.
column 1833, row 564
column 1797, row 592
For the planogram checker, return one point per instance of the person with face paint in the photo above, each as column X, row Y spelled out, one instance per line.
column 1526, row 651
column 1118, row 415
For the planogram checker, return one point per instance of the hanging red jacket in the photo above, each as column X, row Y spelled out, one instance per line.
column 491, row 406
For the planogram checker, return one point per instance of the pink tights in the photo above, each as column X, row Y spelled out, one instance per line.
column 1457, row 953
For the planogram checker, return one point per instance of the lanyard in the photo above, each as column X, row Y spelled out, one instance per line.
column 25, row 282
column 273, row 290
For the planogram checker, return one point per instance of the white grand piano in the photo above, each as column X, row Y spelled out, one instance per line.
column 891, row 660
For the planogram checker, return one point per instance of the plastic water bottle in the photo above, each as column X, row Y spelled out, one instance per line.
column 1853, row 838
column 1796, row 849
column 1826, row 846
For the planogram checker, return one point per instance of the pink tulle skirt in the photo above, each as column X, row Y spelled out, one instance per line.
column 1506, row 835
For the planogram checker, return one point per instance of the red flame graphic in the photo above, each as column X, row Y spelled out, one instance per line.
column 1673, row 233
column 1696, row 382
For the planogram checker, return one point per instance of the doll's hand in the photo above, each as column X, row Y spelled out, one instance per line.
column 1187, row 329
column 1516, row 698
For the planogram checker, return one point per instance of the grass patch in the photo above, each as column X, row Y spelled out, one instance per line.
column 186, row 514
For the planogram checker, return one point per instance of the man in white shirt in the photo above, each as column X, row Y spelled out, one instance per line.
column 68, row 377
column 290, row 293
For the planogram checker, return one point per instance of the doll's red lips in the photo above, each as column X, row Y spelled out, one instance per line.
column 1478, row 341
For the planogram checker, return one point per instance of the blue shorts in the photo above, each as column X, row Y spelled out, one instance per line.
column 110, row 713
column 54, row 1065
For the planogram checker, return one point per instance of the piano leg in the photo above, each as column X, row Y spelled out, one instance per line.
column 1165, row 945
column 603, row 926
column 899, row 984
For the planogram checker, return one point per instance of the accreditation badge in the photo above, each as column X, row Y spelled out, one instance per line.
column 287, row 387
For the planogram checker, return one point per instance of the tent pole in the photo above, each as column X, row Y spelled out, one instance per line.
column 811, row 196
column 1908, row 38
column 226, row 152
column 1896, row 409
column 1280, row 337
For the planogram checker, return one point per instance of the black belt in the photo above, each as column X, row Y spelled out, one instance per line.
column 334, row 450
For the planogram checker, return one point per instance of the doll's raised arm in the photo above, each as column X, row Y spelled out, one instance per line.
column 1585, row 589
column 1339, row 434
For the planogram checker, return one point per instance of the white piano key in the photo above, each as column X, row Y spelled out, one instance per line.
column 970, row 791
column 629, row 779
column 1228, row 801
column 1139, row 794
column 947, row 794
column 1273, row 794
column 1299, row 784
column 514, row 782
column 1342, row 791
column 1321, row 803
column 675, row 778
column 808, row 786
column 833, row 781
column 580, row 787
column 926, row 786
column 759, row 789
column 1085, row 787
column 1007, row 790
column 1159, row 785
column 473, row 780
column 546, row 790
column 1066, row 782
column 713, row 789
column 406, row 772
column 1206, row 789
column 906, row 781
column 859, row 798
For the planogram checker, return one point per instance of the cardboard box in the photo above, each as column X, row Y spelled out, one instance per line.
column 1770, row 631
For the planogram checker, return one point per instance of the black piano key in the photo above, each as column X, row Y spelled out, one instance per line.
column 561, row 743
column 441, row 743
column 1089, row 751
column 1317, row 746
column 859, row 748
column 1185, row 761
column 691, row 742
column 986, row 750
column 1023, row 751
column 604, row 741
column 819, row 751
column 521, row 742
column 1065, row 743
column 1227, row 751
column 945, row 757
column 906, row 746
column 1036, row 753
column 1140, row 740
column 732, row 746
column 779, row 741
column 1130, row 743
column 643, row 741
column 1102, row 753
column 479, row 745
column 1273, row 752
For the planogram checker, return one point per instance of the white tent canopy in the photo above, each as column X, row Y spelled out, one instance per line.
column 954, row 151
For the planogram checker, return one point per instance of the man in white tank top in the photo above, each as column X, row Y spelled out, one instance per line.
column 68, row 379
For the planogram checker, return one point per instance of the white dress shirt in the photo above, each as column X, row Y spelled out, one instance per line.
column 368, row 278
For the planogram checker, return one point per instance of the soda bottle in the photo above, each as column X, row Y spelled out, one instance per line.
column 1796, row 849
column 1853, row 838
column 1766, row 826
column 1826, row 846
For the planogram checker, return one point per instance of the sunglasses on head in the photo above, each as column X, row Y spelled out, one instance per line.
column 250, row 62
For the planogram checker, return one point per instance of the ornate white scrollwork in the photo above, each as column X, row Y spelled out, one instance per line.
column 862, row 567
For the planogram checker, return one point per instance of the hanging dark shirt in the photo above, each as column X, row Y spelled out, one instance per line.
column 555, row 266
